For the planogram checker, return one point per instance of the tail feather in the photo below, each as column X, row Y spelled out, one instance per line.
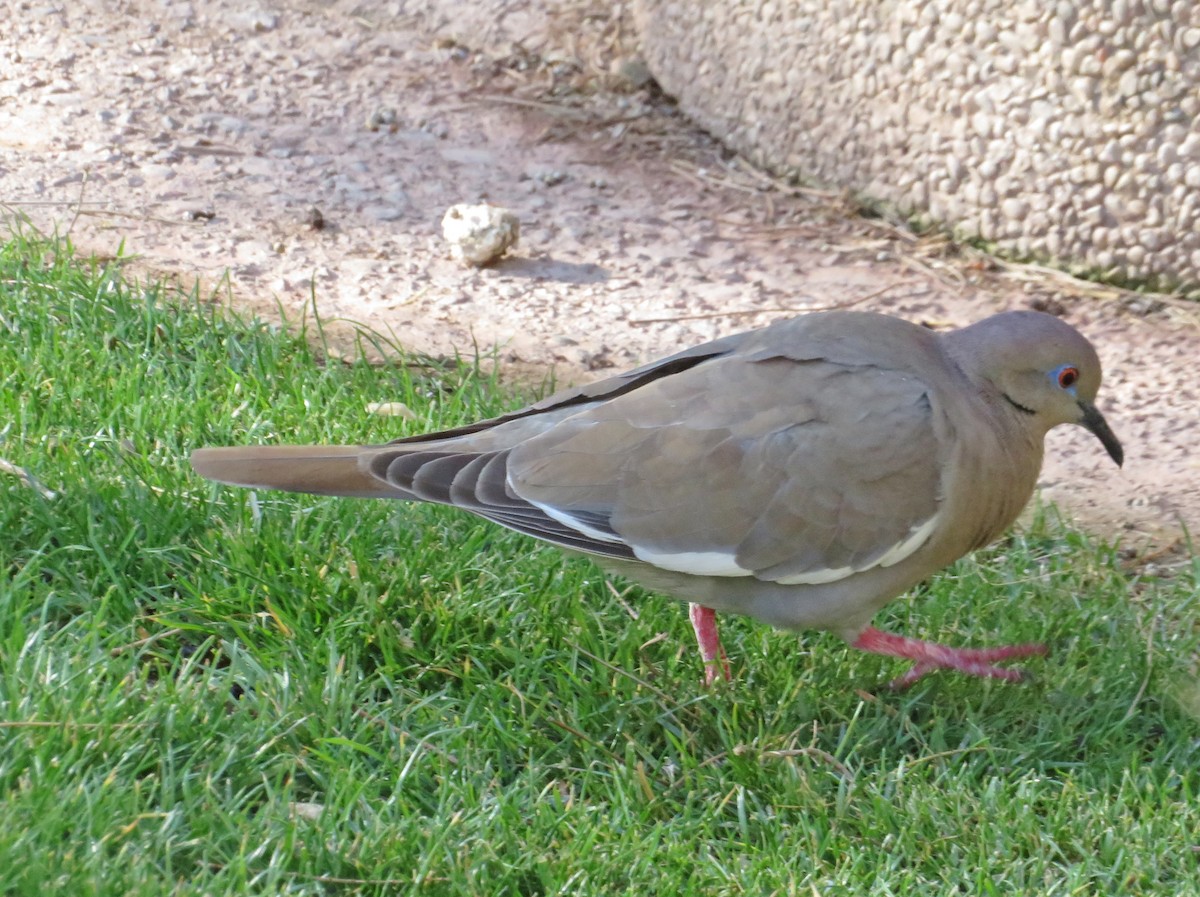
column 316, row 469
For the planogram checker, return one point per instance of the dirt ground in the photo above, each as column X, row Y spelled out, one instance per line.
column 305, row 153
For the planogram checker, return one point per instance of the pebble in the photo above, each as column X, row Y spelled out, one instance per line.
column 158, row 172
column 382, row 119
column 391, row 409
column 256, row 20
column 479, row 234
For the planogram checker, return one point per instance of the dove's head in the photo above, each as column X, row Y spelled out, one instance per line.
column 1042, row 367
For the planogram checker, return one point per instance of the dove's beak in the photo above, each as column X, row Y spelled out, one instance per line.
column 1094, row 421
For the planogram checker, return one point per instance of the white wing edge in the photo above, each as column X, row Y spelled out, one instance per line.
column 720, row 563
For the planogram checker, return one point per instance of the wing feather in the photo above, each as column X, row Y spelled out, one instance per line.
column 840, row 475
column 803, row 452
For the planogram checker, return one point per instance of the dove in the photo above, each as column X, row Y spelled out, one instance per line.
column 803, row 474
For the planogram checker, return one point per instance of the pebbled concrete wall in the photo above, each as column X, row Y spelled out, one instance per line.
column 1068, row 130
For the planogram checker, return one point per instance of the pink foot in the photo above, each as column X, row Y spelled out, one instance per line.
column 929, row 656
column 704, row 621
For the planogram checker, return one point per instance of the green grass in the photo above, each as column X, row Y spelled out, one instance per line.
column 209, row 691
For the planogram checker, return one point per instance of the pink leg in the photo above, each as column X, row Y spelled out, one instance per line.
column 929, row 656
column 704, row 621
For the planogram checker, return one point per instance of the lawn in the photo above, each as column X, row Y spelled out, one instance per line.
column 207, row 690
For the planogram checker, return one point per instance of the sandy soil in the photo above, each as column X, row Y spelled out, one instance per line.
column 299, row 153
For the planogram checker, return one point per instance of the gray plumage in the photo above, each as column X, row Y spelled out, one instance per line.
column 804, row 474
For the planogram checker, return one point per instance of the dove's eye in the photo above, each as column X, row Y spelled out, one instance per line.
column 1067, row 377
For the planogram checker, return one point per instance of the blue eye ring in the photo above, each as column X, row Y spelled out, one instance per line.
column 1067, row 376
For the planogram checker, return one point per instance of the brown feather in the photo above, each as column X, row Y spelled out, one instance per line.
column 318, row 469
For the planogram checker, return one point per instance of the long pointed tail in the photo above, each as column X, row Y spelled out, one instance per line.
column 317, row 469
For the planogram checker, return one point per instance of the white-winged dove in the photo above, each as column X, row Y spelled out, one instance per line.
column 803, row 474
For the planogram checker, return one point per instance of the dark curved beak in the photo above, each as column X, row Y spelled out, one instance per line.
column 1094, row 421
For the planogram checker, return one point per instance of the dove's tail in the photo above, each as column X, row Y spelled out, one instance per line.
column 317, row 469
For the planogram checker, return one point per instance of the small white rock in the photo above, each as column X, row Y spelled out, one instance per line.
column 1014, row 209
column 1151, row 239
column 480, row 234
column 306, row 810
column 391, row 409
